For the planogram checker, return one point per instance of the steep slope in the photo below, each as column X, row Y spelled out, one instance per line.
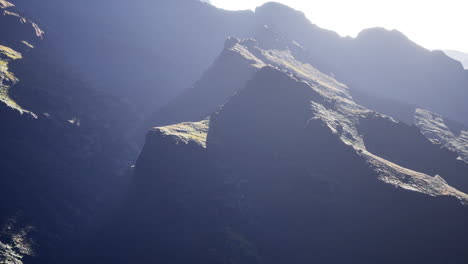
column 407, row 147
column 442, row 131
column 437, row 128
column 57, row 134
column 17, row 33
column 287, row 171
column 215, row 86
column 378, row 62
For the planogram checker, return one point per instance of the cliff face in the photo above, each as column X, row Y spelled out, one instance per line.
column 56, row 134
column 442, row 131
column 297, row 171
column 229, row 72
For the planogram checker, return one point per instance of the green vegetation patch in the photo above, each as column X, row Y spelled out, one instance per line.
column 10, row 53
column 5, row 98
column 195, row 132
column 5, row 4
column 7, row 78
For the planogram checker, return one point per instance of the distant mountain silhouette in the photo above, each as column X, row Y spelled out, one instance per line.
column 378, row 62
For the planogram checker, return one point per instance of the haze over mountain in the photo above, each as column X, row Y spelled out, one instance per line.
column 274, row 140
column 414, row 19
column 459, row 56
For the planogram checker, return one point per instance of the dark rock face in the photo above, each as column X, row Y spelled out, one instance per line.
column 406, row 146
column 441, row 130
column 230, row 72
column 256, row 123
column 57, row 134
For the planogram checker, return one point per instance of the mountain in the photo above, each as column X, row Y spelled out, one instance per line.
column 158, row 56
column 56, row 135
column 439, row 130
column 172, row 55
column 378, row 62
column 275, row 141
column 231, row 70
column 459, row 56
column 290, row 169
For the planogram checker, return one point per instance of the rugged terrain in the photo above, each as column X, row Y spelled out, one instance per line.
column 275, row 141
column 291, row 169
column 56, row 135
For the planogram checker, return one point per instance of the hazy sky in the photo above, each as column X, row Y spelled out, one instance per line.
column 434, row 24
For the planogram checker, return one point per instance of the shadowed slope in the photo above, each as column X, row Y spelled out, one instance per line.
column 230, row 71
column 56, row 135
column 286, row 169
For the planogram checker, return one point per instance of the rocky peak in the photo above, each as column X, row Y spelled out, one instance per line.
column 380, row 36
column 273, row 11
column 273, row 104
column 291, row 151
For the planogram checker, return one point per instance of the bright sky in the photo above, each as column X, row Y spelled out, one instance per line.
column 434, row 24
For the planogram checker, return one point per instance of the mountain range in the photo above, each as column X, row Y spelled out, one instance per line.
column 268, row 138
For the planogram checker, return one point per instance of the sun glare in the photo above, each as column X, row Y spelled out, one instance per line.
column 433, row 24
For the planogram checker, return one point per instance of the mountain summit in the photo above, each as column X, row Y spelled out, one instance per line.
column 288, row 166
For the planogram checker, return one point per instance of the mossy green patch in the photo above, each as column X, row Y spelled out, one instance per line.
column 187, row 132
column 10, row 53
column 6, row 99
column 5, row 4
column 7, row 78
